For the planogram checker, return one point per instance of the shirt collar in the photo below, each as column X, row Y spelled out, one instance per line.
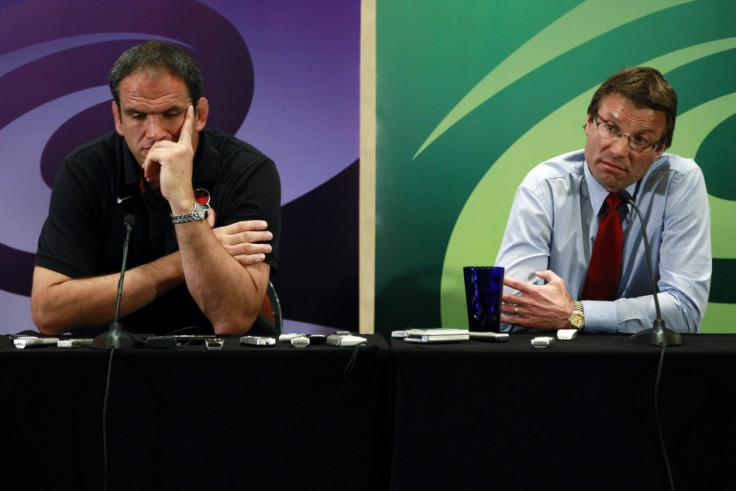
column 598, row 193
column 131, row 171
column 206, row 160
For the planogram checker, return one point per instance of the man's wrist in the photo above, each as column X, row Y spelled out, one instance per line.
column 182, row 206
column 577, row 316
column 197, row 213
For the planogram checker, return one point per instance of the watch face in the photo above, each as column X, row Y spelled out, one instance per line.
column 576, row 320
column 201, row 212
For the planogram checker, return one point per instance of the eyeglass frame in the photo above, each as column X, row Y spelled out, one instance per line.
column 647, row 149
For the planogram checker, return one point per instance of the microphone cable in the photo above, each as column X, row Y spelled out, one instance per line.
column 663, row 346
column 104, row 419
column 657, row 418
column 624, row 195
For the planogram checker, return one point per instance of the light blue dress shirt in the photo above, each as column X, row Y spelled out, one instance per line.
column 554, row 221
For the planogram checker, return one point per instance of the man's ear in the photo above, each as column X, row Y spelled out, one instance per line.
column 588, row 122
column 118, row 120
column 203, row 110
column 658, row 152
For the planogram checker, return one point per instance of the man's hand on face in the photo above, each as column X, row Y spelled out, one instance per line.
column 170, row 163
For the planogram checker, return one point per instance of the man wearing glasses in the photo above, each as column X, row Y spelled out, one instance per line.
column 565, row 204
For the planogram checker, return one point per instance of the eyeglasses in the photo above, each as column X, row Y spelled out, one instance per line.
column 637, row 143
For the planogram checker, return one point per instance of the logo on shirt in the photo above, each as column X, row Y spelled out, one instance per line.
column 202, row 197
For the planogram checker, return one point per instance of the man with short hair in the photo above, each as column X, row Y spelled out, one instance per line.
column 206, row 209
column 550, row 246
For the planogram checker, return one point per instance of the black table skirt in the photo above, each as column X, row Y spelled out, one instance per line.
column 474, row 415
column 187, row 418
column 578, row 415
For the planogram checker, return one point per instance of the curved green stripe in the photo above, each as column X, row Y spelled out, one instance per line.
column 697, row 123
column 676, row 59
column 566, row 33
column 719, row 318
column 480, row 226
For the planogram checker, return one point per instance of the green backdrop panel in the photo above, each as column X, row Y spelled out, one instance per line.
column 472, row 95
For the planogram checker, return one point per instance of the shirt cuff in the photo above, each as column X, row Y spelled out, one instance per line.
column 600, row 316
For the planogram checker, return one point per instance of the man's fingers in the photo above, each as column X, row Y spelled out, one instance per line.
column 246, row 241
column 519, row 285
column 508, row 297
column 187, row 129
column 254, row 249
column 151, row 168
column 251, row 237
column 547, row 275
column 248, row 259
column 250, row 225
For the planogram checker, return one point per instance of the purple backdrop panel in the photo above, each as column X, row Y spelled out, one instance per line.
column 283, row 75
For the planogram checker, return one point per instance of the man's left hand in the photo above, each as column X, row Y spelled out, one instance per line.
column 245, row 241
column 545, row 307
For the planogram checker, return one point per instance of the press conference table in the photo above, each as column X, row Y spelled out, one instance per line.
column 577, row 415
column 187, row 418
column 473, row 415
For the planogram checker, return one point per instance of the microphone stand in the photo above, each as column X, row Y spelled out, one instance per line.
column 116, row 337
column 658, row 334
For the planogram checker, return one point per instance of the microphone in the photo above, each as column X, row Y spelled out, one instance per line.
column 658, row 334
column 116, row 337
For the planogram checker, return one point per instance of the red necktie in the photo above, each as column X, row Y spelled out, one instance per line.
column 605, row 262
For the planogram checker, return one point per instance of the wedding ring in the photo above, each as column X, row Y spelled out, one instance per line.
column 516, row 309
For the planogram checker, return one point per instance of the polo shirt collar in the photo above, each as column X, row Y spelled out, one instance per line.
column 131, row 171
column 206, row 160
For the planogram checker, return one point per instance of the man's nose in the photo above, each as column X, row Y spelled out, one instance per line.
column 155, row 130
column 620, row 146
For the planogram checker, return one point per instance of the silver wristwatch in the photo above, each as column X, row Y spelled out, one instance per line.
column 198, row 213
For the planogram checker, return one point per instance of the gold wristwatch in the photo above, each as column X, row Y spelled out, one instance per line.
column 577, row 318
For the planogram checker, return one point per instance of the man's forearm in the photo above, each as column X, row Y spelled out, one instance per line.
column 60, row 303
column 228, row 293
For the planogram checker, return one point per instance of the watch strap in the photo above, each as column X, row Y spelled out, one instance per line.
column 577, row 317
column 198, row 213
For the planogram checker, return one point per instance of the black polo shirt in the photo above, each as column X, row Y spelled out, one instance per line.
column 100, row 182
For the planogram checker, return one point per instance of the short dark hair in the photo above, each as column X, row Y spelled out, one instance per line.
column 647, row 89
column 157, row 56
